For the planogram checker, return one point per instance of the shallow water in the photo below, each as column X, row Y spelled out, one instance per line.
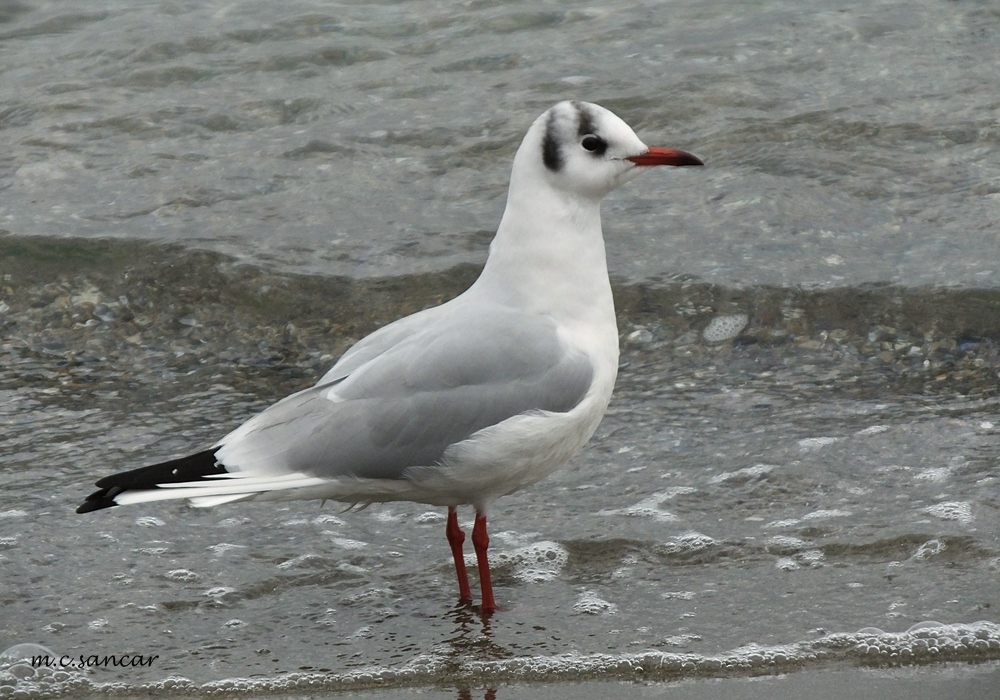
column 846, row 142
column 798, row 467
column 757, row 497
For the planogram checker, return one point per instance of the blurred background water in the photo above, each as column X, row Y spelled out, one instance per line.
column 203, row 203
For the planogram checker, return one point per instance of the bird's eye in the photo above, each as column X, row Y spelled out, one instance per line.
column 594, row 144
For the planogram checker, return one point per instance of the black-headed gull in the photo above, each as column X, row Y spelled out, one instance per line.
column 464, row 402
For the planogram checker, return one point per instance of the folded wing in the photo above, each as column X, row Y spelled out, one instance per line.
column 406, row 406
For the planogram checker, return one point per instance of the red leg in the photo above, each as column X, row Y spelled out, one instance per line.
column 481, row 541
column 455, row 538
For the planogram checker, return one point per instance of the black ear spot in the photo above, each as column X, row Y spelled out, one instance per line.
column 594, row 144
column 550, row 146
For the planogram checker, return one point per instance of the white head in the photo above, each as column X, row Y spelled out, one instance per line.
column 584, row 149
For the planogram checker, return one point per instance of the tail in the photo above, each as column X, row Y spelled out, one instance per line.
column 200, row 467
column 202, row 479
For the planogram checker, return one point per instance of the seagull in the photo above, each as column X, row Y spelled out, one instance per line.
column 461, row 403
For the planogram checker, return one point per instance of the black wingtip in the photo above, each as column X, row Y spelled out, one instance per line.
column 190, row 468
column 105, row 498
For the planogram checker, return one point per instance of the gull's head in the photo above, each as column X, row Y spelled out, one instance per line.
column 584, row 149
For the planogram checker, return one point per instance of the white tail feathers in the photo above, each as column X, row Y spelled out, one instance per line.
column 230, row 487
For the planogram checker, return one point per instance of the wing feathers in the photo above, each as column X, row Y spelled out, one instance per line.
column 406, row 406
column 396, row 402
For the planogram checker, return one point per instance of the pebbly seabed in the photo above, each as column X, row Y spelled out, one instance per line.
column 786, row 479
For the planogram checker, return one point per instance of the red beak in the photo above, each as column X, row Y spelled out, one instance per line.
column 665, row 156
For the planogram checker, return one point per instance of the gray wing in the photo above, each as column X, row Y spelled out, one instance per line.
column 381, row 340
column 407, row 405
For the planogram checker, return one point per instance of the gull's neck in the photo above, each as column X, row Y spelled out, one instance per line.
column 548, row 255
